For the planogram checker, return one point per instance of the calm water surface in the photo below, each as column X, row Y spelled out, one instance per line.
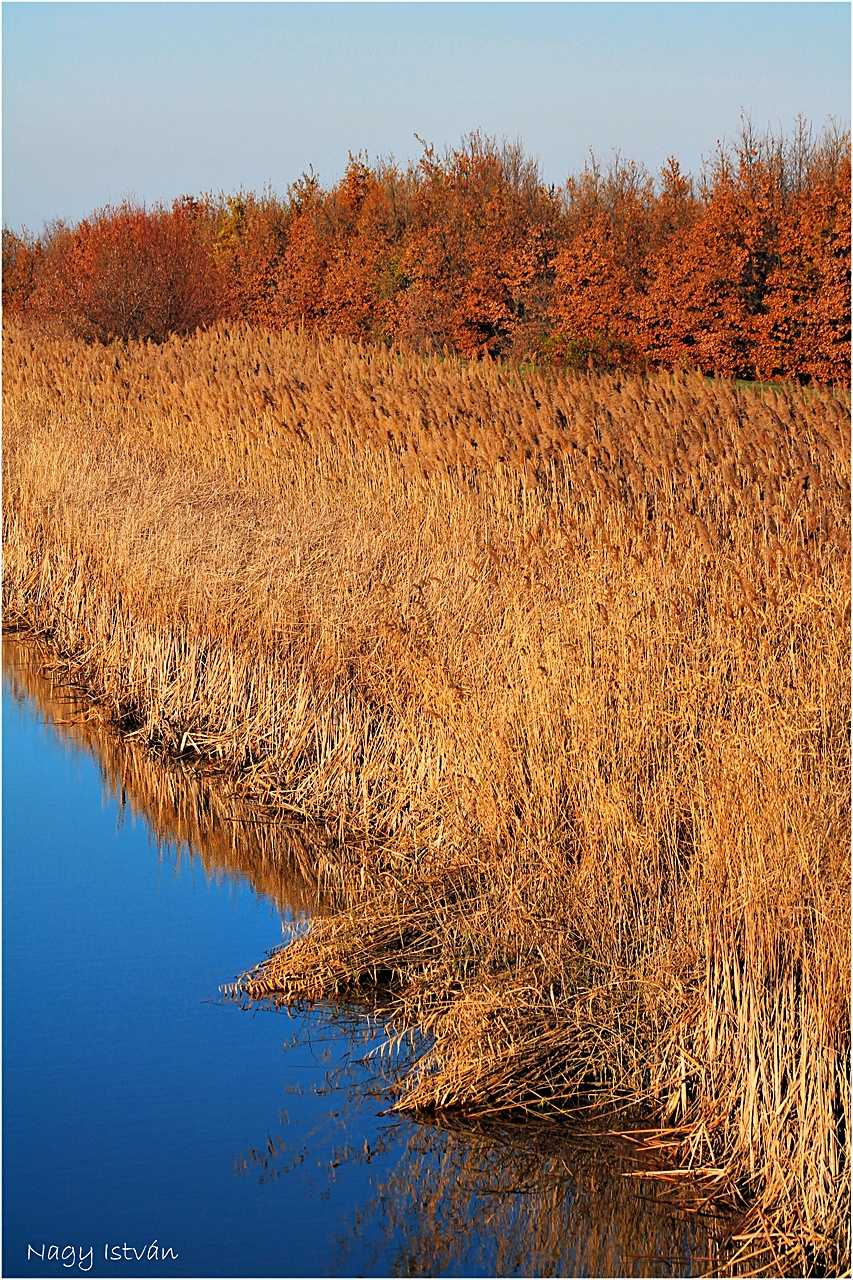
column 144, row 1114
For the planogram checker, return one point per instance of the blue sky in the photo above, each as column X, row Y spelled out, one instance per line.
column 104, row 100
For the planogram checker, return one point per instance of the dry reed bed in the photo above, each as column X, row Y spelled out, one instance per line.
column 573, row 654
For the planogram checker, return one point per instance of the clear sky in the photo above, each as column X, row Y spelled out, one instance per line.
column 104, row 100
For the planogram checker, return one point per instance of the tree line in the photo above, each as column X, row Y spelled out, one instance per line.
column 742, row 271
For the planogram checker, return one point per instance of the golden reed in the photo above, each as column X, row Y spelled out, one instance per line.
column 569, row 658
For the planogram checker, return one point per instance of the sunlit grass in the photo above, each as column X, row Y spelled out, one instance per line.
column 570, row 657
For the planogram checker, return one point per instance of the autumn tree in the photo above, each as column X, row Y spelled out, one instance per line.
column 21, row 254
column 249, row 239
column 128, row 272
column 478, row 250
column 362, row 235
column 602, row 267
column 743, row 272
column 806, row 333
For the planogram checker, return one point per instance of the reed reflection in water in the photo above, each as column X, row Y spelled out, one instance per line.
column 187, row 813
column 446, row 1197
column 528, row 1198
column 534, row 1204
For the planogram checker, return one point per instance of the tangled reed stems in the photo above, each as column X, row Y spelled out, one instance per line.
column 569, row 657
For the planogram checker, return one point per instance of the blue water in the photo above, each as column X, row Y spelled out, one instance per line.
column 132, row 1094
column 144, row 1114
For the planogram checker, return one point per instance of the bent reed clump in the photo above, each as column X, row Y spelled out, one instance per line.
column 568, row 656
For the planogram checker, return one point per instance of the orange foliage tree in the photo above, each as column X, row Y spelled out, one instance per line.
column 249, row 240
column 127, row 272
column 477, row 254
column 21, row 261
column 747, row 277
column 806, row 334
column 362, row 234
column 602, row 267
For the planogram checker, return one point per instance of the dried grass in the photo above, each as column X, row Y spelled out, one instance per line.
column 570, row 657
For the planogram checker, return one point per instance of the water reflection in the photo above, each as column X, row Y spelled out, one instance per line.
column 508, row 1198
column 188, row 815
column 446, row 1197
column 522, row 1201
